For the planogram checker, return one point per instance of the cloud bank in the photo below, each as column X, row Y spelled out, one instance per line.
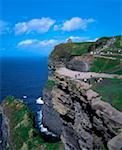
column 34, row 26
column 78, row 38
column 34, row 43
column 44, row 24
column 75, row 23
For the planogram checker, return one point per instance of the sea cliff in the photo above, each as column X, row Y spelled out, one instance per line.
column 74, row 108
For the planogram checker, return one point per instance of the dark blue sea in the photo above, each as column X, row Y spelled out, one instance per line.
column 23, row 76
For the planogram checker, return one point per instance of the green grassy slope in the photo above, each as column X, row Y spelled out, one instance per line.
column 104, row 65
column 23, row 135
column 118, row 42
column 111, row 91
column 64, row 52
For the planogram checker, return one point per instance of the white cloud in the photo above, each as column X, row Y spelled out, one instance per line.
column 48, row 42
column 93, row 40
column 27, row 43
column 78, row 39
column 33, row 43
column 82, row 39
column 35, row 25
column 75, row 23
column 4, row 27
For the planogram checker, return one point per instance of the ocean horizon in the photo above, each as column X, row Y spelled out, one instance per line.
column 23, row 76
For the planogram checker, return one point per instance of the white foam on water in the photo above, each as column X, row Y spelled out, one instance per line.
column 41, row 127
column 39, row 101
column 24, row 96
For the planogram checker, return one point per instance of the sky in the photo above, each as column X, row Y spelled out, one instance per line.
column 34, row 27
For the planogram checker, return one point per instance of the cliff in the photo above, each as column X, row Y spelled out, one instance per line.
column 18, row 131
column 75, row 107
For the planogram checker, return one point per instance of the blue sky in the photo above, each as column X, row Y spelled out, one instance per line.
column 33, row 27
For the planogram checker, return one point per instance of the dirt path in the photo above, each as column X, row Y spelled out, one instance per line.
column 85, row 75
column 106, row 57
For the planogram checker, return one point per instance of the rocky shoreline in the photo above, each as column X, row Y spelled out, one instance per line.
column 5, row 141
column 4, row 130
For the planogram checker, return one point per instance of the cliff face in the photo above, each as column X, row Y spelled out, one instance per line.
column 51, row 117
column 84, row 120
column 4, row 130
column 76, row 112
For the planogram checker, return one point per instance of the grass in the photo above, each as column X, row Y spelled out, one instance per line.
column 118, row 42
column 50, row 84
column 23, row 135
column 79, row 49
column 104, row 39
column 119, row 72
column 111, row 91
column 64, row 52
column 113, row 56
column 103, row 64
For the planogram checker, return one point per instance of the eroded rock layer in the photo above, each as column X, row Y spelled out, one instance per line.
column 72, row 109
column 84, row 121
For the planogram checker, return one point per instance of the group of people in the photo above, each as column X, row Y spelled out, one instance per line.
column 77, row 75
column 97, row 80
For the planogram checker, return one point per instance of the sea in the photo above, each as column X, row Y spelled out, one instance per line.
column 23, row 77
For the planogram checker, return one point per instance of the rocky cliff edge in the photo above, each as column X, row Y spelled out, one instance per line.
column 76, row 112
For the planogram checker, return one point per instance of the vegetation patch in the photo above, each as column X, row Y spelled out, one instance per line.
column 104, row 65
column 50, row 84
column 118, row 42
column 111, row 91
column 23, row 135
column 119, row 71
column 64, row 52
column 114, row 56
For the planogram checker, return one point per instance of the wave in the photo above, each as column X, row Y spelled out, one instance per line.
column 44, row 131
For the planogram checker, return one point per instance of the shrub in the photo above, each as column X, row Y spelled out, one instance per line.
column 50, row 84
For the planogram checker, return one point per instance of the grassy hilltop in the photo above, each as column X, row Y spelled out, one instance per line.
column 66, row 51
column 102, row 56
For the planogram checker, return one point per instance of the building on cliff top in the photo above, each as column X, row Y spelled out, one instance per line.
column 69, row 40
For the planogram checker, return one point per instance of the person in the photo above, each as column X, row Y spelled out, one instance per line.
column 85, row 80
column 95, row 80
column 99, row 80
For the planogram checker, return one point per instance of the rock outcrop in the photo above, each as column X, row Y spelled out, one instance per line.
column 80, row 63
column 51, row 117
column 4, row 130
column 76, row 112
column 85, row 121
